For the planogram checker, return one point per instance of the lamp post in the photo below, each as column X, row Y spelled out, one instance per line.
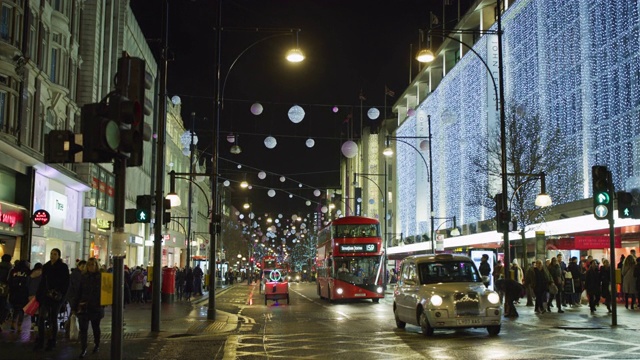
column 384, row 199
column 454, row 231
column 389, row 152
column 189, row 140
column 499, row 105
column 294, row 55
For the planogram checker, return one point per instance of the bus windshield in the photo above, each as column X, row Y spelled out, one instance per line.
column 357, row 270
column 448, row 271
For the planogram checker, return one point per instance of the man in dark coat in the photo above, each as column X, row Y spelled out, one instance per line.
column 51, row 295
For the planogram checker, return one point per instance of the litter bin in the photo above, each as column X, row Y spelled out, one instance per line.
column 168, row 285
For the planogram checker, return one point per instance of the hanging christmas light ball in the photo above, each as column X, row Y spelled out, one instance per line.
column 349, row 149
column 262, row 175
column 373, row 113
column 271, row 193
column 296, row 114
column 310, row 143
column 335, row 109
column 316, row 192
column 231, row 138
column 256, row 109
column 270, row 142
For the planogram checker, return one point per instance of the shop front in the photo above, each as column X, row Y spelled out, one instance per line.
column 12, row 225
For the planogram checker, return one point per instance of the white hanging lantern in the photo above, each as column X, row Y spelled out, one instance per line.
column 308, row 202
column 349, row 149
column 296, row 114
column 231, row 138
column 335, row 109
column 270, row 142
column 226, row 183
column 262, row 175
column 271, row 193
column 256, row 109
column 324, row 209
column 283, row 179
column 316, row 192
column 310, row 143
column 373, row 113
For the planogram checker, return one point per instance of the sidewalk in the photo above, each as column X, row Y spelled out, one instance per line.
column 176, row 319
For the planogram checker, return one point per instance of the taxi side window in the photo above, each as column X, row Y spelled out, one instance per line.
column 409, row 272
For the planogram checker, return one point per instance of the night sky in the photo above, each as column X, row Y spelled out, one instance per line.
column 352, row 48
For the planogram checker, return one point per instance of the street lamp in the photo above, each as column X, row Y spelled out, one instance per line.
column 218, row 95
column 454, row 230
column 499, row 89
column 389, row 152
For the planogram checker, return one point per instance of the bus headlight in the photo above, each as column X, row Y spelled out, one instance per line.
column 379, row 290
column 493, row 298
column 339, row 291
column 436, row 300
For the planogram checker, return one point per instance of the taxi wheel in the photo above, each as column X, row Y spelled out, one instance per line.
column 493, row 330
column 427, row 330
column 375, row 300
column 400, row 324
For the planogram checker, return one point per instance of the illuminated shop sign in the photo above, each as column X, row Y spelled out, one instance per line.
column 41, row 217
column 11, row 218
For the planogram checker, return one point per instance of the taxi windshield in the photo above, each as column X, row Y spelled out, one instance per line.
column 448, row 272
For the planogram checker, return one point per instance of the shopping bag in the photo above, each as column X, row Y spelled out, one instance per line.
column 32, row 307
column 73, row 327
column 584, row 298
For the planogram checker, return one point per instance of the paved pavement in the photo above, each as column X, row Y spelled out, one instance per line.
column 177, row 319
column 182, row 319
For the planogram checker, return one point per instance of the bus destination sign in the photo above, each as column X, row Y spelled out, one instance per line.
column 358, row 248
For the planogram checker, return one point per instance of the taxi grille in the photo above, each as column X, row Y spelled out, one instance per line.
column 467, row 304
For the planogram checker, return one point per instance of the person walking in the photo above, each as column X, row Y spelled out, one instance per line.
column 529, row 283
column 19, row 293
column 137, row 285
column 198, row 274
column 188, row 284
column 556, row 277
column 86, row 306
column 541, row 287
column 574, row 269
column 605, row 283
column 485, row 268
column 74, row 280
column 51, row 295
column 179, row 283
column 629, row 282
column 593, row 285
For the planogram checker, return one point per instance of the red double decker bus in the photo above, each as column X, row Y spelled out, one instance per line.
column 350, row 260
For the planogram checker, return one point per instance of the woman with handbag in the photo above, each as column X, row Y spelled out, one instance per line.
column 557, row 284
column 51, row 295
column 86, row 306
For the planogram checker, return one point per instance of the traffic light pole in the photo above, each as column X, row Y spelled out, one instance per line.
column 118, row 255
column 612, row 258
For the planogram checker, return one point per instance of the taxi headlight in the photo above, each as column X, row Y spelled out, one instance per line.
column 339, row 291
column 379, row 290
column 436, row 300
column 493, row 298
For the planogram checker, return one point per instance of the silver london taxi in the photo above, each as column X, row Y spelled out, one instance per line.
column 444, row 291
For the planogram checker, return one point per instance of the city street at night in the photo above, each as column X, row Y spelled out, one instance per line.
column 312, row 328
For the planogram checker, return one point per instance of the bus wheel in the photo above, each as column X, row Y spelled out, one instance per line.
column 319, row 293
column 287, row 299
column 375, row 300
column 265, row 299
column 329, row 294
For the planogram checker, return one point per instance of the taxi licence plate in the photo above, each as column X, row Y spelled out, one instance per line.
column 469, row 322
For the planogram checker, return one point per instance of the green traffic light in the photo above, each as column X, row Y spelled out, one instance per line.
column 603, row 198
column 142, row 216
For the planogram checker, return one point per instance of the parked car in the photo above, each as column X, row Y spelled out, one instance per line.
column 444, row 291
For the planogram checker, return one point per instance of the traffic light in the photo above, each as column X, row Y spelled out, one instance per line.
column 132, row 81
column 61, row 147
column 625, row 206
column 100, row 133
column 144, row 206
column 602, row 192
